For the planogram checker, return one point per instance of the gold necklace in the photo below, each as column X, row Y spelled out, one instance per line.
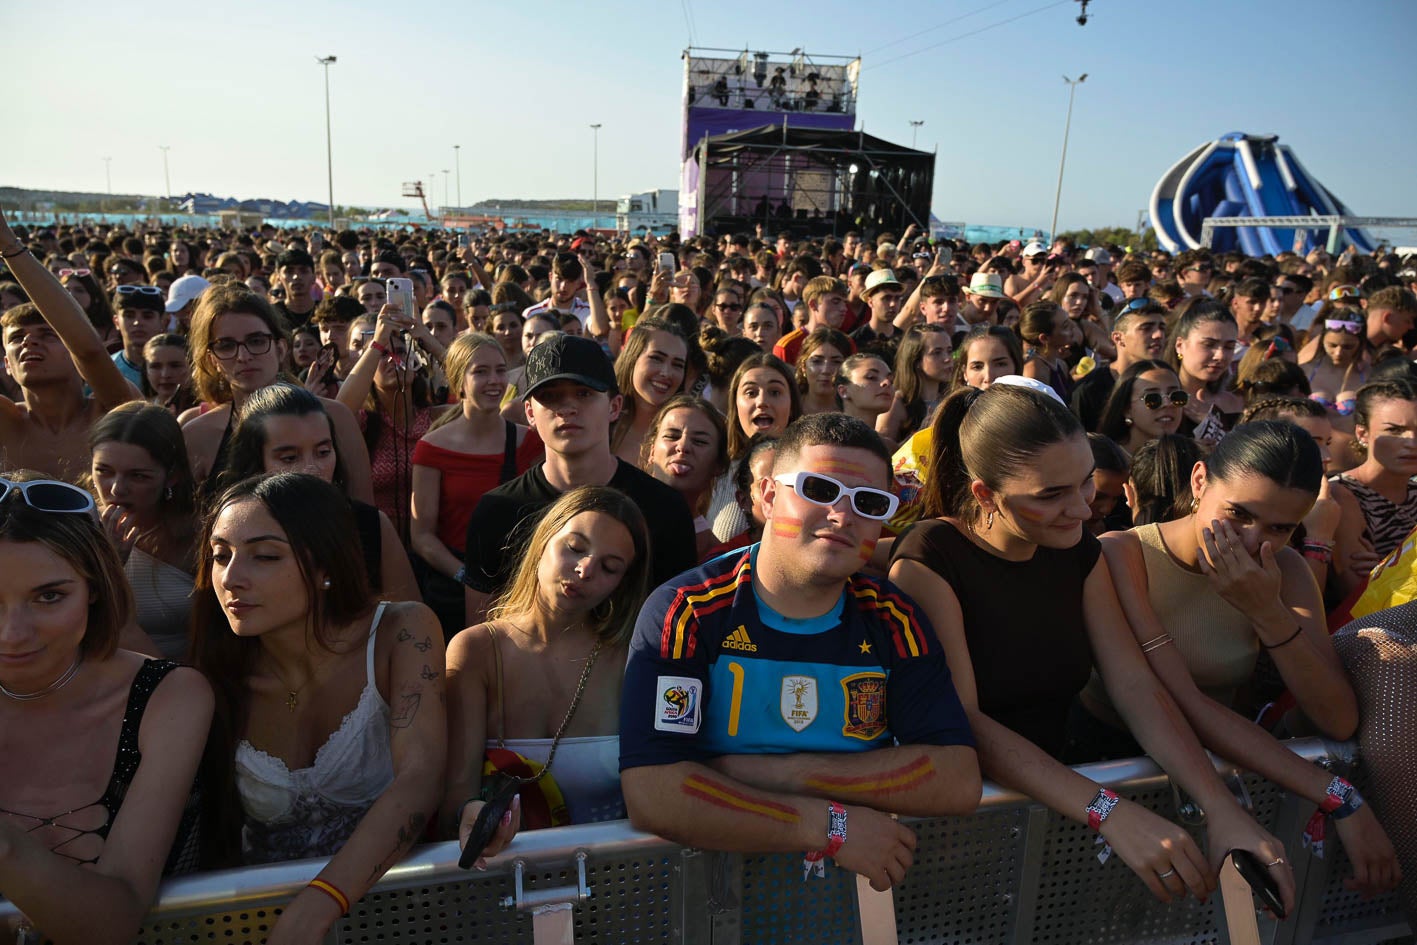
column 292, row 696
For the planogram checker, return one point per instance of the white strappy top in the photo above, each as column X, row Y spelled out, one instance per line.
column 312, row 811
column 162, row 598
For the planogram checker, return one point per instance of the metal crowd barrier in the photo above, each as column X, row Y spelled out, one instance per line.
column 1011, row 873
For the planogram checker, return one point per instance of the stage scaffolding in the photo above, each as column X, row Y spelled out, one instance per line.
column 812, row 181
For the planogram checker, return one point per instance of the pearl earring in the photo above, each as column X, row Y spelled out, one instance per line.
column 326, row 585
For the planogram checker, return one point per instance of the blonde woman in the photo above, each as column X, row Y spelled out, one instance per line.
column 536, row 689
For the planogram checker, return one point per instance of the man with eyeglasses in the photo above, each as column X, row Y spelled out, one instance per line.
column 123, row 271
column 1286, row 302
column 780, row 700
column 52, row 351
column 1194, row 268
column 1040, row 271
column 1139, row 333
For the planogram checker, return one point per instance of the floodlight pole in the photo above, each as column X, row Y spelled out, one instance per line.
column 595, row 179
column 1067, row 127
column 457, row 163
column 327, row 61
column 915, row 130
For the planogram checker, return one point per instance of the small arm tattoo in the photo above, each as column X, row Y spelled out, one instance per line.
column 408, row 708
column 408, row 835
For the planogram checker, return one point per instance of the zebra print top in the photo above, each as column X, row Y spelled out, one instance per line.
column 1387, row 523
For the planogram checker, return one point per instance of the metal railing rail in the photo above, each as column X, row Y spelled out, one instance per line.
column 1334, row 223
column 1011, row 873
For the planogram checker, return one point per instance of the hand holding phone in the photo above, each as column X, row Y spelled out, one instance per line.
column 666, row 262
column 489, row 819
column 1262, row 884
column 400, row 293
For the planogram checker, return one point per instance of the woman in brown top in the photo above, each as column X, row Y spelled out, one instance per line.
column 1206, row 592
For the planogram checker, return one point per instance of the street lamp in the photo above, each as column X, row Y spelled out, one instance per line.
column 915, row 129
column 1067, row 126
column 328, row 61
column 167, row 177
column 457, row 162
column 595, row 180
column 446, row 172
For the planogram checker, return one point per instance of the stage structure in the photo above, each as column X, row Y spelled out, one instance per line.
column 809, row 181
column 730, row 92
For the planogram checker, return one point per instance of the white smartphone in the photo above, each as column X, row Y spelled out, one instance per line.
column 667, row 262
column 400, row 293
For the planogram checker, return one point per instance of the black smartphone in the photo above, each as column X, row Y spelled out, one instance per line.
column 1259, row 879
column 488, row 820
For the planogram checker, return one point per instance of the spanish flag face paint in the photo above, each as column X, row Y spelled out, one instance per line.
column 786, row 527
column 867, row 548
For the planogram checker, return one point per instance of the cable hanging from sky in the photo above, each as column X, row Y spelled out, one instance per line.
column 955, row 39
column 938, row 26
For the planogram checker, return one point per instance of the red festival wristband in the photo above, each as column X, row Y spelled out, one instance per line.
column 1101, row 808
column 814, row 862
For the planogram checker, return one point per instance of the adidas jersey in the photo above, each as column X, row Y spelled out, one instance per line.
column 714, row 671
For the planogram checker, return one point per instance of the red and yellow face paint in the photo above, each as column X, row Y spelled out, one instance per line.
column 786, row 527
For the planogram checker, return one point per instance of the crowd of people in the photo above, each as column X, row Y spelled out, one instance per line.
column 325, row 544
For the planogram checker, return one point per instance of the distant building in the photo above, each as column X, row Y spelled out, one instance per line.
column 653, row 209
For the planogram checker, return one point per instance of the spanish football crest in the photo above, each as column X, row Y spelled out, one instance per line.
column 799, row 701
column 865, row 706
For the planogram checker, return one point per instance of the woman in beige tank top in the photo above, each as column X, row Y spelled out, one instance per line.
column 1206, row 592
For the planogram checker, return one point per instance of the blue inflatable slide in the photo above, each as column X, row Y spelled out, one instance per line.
column 1240, row 175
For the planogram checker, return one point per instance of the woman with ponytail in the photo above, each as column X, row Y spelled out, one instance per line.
column 1007, row 505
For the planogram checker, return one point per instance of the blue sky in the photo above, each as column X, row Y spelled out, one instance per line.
column 235, row 91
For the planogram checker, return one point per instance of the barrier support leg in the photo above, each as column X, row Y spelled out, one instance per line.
column 1030, row 873
column 702, row 894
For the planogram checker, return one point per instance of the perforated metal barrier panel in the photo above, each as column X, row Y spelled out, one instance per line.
column 1012, row 873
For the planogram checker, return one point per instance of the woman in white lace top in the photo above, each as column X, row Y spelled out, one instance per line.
column 330, row 726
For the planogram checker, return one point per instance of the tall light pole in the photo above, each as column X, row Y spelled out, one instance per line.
column 328, row 61
column 166, row 176
column 915, row 129
column 595, row 179
column 1067, row 126
column 457, row 162
column 108, row 173
column 446, row 172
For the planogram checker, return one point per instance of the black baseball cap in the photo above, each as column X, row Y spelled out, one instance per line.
column 569, row 358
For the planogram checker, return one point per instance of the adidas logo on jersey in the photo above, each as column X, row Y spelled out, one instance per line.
column 738, row 640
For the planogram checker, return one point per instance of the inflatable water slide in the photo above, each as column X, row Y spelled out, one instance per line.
column 1241, row 175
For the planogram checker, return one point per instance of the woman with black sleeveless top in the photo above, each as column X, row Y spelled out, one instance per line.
column 100, row 745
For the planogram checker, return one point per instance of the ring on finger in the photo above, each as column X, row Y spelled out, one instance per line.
column 1278, row 861
column 1166, row 874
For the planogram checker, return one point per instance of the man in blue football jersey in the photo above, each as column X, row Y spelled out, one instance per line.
column 777, row 699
